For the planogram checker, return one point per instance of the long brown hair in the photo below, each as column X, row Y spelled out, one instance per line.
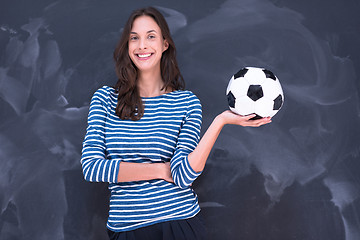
column 130, row 105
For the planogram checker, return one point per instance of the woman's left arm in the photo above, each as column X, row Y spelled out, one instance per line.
column 198, row 157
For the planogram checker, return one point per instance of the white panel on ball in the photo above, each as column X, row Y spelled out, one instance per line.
column 239, row 87
column 254, row 76
column 264, row 107
column 244, row 105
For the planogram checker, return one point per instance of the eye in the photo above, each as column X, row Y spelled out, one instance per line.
column 133, row 38
column 151, row 36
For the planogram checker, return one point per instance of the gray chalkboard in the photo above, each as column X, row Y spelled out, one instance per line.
column 295, row 179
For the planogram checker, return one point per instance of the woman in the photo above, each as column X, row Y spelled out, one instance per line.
column 143, row 137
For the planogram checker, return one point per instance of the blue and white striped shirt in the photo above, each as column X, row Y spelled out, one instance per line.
column 168, row 132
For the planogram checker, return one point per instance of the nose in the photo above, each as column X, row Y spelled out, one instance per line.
column 142, row 44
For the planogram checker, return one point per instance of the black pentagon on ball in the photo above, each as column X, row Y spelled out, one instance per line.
column 269, row 74
column 255, row 92
column 231, row 99
column 241, row 73
column 278, row 102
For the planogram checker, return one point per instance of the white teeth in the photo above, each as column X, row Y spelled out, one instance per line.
column 144, row 55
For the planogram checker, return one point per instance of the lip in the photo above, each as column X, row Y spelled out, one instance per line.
column 143, row 56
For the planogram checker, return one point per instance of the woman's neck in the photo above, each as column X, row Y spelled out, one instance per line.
column 150, row 84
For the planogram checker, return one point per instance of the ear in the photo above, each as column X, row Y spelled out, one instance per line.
column 166, row 45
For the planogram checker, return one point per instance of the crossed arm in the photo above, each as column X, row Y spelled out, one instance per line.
column 188, row 160
column 197, row 158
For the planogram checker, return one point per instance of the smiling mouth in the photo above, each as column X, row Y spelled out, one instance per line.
column 144, row 55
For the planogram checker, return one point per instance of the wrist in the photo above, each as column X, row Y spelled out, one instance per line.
column 159, row 170
column 162, row 171
column 220, row 120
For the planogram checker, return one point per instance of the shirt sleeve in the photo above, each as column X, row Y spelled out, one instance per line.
column 189, row 136
column 96, row 167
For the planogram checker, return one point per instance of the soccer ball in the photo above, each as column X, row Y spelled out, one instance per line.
column 255, row 90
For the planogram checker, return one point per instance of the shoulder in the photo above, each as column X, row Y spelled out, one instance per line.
column 104, row 93
column 187, row 96
column 191, row 100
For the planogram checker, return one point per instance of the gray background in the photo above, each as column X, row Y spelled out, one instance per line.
column 297, row 178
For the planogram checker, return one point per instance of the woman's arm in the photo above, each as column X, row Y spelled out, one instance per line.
column 96, row 168
column 144, row 171
column 198, row 157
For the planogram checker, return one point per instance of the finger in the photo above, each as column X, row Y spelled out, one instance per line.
column 248, row 117
column 260, row 122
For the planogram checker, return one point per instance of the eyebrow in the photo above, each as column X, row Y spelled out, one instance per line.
column 146, row 32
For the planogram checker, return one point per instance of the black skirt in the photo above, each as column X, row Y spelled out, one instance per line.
column 187, row 229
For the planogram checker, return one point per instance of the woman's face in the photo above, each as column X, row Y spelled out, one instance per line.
column 146, row 44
